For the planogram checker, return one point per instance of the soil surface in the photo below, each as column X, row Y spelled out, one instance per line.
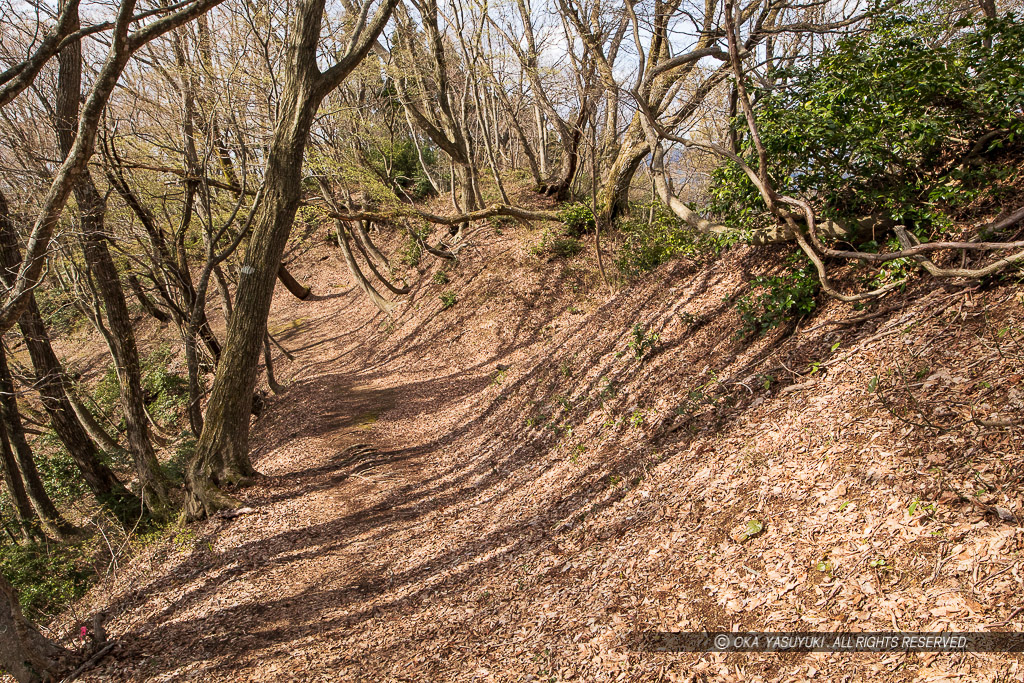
column 501, row 491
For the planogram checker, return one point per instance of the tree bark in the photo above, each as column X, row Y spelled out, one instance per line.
column 94, row 429
column 28, row 521
column 92, row 208
column 153, row 485
column 268, row 361
column 222, row 453
column 294, row 286
column 49, row 382
column 24, row 652
column 147, row 304
column 613, row 199
column 50, row 517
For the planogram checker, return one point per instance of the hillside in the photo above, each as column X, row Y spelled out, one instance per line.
column 500, row 490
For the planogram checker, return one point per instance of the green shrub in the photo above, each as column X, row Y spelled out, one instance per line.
column 642, row 343
column 57, row 310
column 884, row 123
column 175, row 466
column 107, row 393
column 777, row 298
column 166, row 392
column 557, row 246
column 412, row 251
column 400, row 164
column 441, row 278
column 47, row 577
column 652, row 237
column 897, row 270
column 577, row 219
column 448, row 299
column 61, row 476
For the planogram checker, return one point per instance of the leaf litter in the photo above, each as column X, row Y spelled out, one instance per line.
column 522, row 523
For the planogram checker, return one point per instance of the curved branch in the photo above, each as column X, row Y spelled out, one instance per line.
column 412, row 212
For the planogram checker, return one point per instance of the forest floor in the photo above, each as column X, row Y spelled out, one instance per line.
column 500, row 491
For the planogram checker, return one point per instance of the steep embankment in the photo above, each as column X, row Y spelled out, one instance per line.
column 520, row 524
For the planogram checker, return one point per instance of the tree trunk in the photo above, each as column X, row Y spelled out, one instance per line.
column 225, row 293
column 95, row 430
column 147, row 304
column 28, row 522
column 153, row 485
column 222, row 453
column 50, row 517
column 369, row 246
column 195, row 385
column 542, row 140
column 92, row 209
column 24, row 652
column 613, row 199
column 380, row 302
column 268, row 361
column 50, row 385
column 49, row 382
column 293, row 285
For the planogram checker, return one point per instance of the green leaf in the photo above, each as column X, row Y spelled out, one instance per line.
column 754, row 527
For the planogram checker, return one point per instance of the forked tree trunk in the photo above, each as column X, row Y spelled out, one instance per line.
column 49, row 382
column 50, row 517
column 382, row 304
column 222, row 453
column 92, row 209
column 24, row 652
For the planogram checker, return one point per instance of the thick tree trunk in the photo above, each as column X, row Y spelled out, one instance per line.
column 24, row 652
column 613, row 199
column 92, row 208
column 558, row 189
column 222, row 454
column 50, row 517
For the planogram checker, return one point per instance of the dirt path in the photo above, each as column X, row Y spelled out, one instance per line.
column 425, row 516
column 351, row 530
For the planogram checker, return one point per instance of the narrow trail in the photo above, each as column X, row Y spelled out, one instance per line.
column 345, row 539
column 499, row 492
